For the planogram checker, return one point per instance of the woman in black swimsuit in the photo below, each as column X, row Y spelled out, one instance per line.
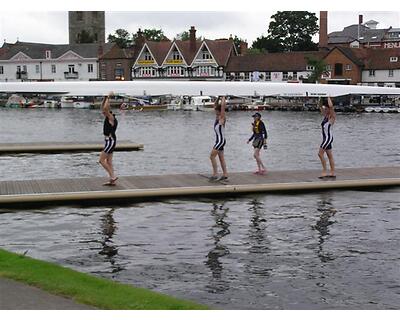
column 109, row 129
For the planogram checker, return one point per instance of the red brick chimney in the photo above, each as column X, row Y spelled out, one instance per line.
column 243, row 47
column 192, row 38
column 323, row 29
column 140, row 40
column 360, row 19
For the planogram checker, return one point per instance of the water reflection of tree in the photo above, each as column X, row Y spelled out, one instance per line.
column 219, row 230
column 327, row 211
column 109, row 250
column 259, row 244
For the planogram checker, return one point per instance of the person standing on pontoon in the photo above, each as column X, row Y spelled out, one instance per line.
column 327, row 138
column 220, row 141
column 259, row 139
column 110, row 138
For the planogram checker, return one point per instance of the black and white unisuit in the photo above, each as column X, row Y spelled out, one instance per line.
column 110, row 138
column 327, row 135
column 219, row 130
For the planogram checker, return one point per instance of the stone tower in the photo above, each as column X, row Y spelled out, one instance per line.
column 91, row 22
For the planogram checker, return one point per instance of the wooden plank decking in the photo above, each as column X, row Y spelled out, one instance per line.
column 91, row 190
column 58, row 147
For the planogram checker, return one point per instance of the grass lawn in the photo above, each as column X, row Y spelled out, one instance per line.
column 98, row 292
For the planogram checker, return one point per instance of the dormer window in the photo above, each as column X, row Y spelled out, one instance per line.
column 48, row 54
column 393, row 59
column 206, row 55
column 147, row 56
column 176, row 55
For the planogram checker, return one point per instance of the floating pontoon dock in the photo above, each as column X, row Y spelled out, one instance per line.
column 58, row 147
column 91, row 190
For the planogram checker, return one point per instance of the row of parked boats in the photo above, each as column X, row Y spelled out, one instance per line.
column 185, row 103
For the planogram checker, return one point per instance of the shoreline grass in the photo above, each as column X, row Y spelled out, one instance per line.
column 86, row 289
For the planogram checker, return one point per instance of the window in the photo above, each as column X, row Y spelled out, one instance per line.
column 295, row 75
column 338, row 69
column 247, row 76
column 393, row 59
column 19, row 69
column 205, row 55
column 175, row 71
column 37, row 67
column 1, row 70
column 310, row 68
column 90, row 68
column 71, row 68
column 48, row 54
column 390, row 73
column 372, row 73
column 79, row 15
column 119, row 73
column 348, row 67
column 176, row 55
column 268, row 76
column 328, row 67
column 24, row 69
column 237, row 76
column 147, row 72
column 285, row 76
column 147, row 56
column 53, row 68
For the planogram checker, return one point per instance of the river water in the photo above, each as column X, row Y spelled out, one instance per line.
column 321, row 250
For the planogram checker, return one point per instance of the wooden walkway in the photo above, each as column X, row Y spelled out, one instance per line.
column 91, row 190
column 58, row 147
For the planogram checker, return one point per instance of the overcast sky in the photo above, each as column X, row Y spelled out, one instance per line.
column 52, row 26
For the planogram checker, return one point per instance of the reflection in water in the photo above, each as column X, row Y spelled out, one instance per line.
column 325, row 207
column 259, row 244
column 219, row 230
column 109, row 250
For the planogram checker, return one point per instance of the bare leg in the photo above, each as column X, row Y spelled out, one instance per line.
column 323, row 161
column 104, row 162
column 110, row 165
column 257, row 156
column 223, row 164
column 213, row 155
column 331, row 162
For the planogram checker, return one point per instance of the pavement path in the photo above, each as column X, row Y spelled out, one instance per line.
column 18, row 296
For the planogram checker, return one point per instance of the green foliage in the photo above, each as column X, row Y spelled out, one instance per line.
column 151, row 34
column 185, row 35
column 121, row 37
column 319, row 69
column 289, row 31
column 86, row 289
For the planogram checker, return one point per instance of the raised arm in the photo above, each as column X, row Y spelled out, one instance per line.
column 320, row 105
column 105, row 108
column 331, row 113
column 223, row 106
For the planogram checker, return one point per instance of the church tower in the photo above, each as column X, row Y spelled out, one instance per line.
column 86, row 26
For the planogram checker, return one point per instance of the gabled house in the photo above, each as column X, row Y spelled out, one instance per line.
column 26, row 61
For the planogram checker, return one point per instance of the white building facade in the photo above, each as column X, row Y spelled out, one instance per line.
column 57, row 63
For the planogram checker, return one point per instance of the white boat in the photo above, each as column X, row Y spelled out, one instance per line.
column 51, row 104
column 67, row 102
column 199, row 103
column 82, row 105
column 175, row 104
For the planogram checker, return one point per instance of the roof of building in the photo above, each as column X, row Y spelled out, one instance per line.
column 357, row 55
column 287, row 61
column 380, row 59
column 354, row 32
column 38, row 50
column 159, row 49
column 221, row 50
column 184, row 47
column 118, row 53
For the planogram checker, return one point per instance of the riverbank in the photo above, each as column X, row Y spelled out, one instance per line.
column 86, row 289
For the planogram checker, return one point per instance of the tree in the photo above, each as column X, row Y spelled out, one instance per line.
column 184, row 36
column 319, row 69
column 266, row 44
column 290, row 31
column 151, row 34
column 85, row 37
column 121, row 37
